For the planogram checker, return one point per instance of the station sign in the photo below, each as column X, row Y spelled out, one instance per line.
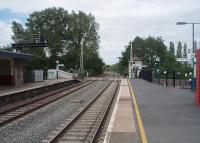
column 61, row 65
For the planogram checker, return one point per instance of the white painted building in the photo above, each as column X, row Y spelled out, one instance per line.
column 135, row 65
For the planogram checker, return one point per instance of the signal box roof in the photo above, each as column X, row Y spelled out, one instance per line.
column 136, row 59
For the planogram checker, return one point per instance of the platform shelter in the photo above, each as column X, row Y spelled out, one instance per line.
column 12, row 67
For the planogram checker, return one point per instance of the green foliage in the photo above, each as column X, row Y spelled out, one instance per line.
column 185, row 51
column 19, row 35
column 171, row 47
column 147, row 49
column 6, row 48
column 111, row 68
column 123, row 62
column 179, row 50
column 195, row 45
column 38, row 63
column 64, row 32
column 81, row 24
column 169, row 62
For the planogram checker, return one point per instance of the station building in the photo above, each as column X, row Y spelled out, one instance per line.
column 135, row 65
column 12, row 67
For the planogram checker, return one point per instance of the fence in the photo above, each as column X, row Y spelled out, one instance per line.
column 173, row 78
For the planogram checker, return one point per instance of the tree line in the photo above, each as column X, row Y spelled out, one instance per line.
column 147, row 49
column 65, row 33
column 181, row 51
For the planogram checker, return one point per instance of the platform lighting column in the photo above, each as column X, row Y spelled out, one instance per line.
column 193, row 78
column 57, row 68
column 166, row 78
column 158, row 70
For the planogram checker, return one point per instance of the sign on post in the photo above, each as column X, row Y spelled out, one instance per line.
column 61, row 65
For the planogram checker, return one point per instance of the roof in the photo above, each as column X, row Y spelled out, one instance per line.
column 15, row 55
column 136, row 59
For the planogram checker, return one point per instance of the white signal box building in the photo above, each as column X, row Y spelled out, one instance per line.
column 135, row 65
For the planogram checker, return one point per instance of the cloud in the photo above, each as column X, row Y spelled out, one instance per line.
column 5, row 33
column 121, row 20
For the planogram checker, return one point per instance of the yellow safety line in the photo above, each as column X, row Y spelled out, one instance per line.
column 140, row 123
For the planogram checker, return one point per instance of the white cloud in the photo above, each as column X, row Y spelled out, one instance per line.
column 5, row 33
column 121, row 20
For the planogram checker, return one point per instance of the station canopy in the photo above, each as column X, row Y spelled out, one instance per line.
column 16, row 55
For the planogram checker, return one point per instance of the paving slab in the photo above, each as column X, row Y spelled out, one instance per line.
column 169, row 114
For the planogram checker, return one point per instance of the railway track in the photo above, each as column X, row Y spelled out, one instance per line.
column 28, row 107
column 85, row 123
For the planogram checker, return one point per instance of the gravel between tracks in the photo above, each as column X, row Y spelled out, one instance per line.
column 37, row 125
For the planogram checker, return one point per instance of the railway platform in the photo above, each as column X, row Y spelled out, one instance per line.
column 142, row 113
column 169, row 115
column 10, row 95
column 122, row 126
column 6, row 90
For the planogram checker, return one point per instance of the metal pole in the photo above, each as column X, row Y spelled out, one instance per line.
column 159, row 72
column 193, row 80
column 57, row 68
column 81, row 59
column 166, row 81
column 174, row 78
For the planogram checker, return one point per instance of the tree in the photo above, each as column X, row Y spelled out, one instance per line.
column 123, row 61
column 171, row 47
column 179, row 50
column 149, row 47
column 111, row 68
column 52, row 23
column 18, row 31
column 65, row 33
column 185, row 51
column 20, row 35
column 145, row 48
column 83, row 30
column 81, row 24
column 169, row 62
column 6, row 48
column 195, row 46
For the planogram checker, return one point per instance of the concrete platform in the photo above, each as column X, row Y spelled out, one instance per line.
column 121, row 128
column 14, row 94
column 169, row 114
column 6, row 90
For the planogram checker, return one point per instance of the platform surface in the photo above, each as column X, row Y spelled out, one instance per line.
column 169, row 115
column 5, row 90
column 122, row 121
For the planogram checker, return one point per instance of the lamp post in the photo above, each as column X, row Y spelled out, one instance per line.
column 166, row 78
column 158, row 70
column 57, row 68
column 185, row 78
column 179, row 77
column 193, row 76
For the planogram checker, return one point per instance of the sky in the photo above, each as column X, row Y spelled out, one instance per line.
column 120, row 20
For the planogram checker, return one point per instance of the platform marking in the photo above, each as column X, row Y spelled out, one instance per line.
column 139, row 119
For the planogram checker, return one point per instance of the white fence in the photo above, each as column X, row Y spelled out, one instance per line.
column 52, row 74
